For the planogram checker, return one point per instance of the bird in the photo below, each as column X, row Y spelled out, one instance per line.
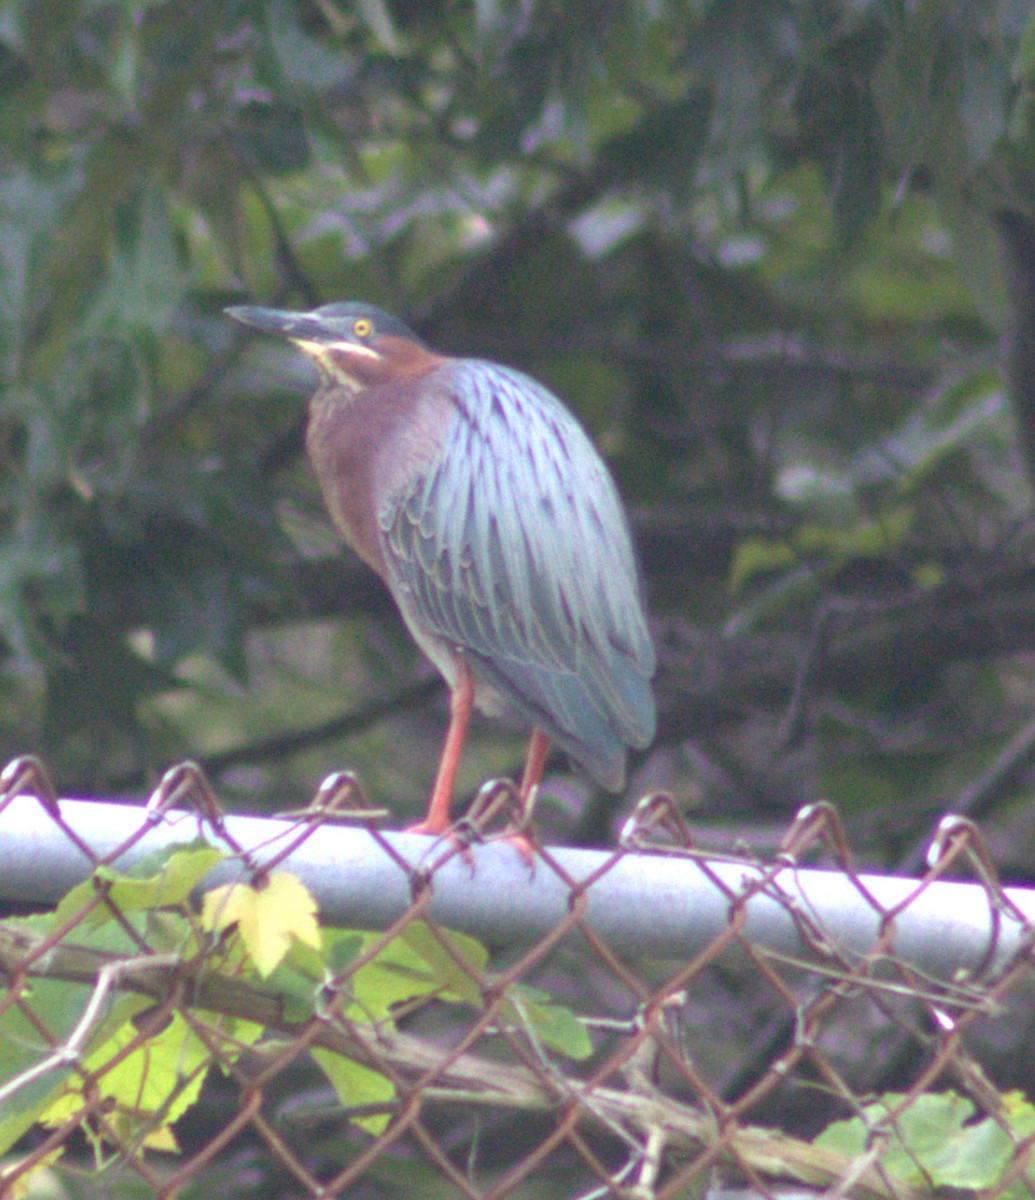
column 484, row 507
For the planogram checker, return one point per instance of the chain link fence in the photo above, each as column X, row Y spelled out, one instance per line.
column 313, row 1007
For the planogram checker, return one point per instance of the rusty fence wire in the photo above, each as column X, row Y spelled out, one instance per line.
column 313, row 1007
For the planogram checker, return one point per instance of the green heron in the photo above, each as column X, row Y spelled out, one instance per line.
column 482, row 504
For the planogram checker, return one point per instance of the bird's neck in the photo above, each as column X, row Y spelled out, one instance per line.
column 355, row 369
column 367, row 445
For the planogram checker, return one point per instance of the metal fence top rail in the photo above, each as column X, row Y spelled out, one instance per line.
column 642, row 904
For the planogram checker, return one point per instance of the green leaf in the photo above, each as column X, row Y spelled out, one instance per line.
column 155, row 1084
column 341, row 948
column 30, row 205
column 294, row 61
column 935, row 1139
column 833, row 544
column 356, row 1085
column 447, row 966
column 396, row 975
column 59, row 1005
column 177, row 869
column 756, row 556
column 379, row 20
column 164, row 878
column 146, row 281
column 554, row 1025
column 148, row 1089
column 41, row 580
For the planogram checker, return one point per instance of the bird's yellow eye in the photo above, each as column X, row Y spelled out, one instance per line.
column 362, row 327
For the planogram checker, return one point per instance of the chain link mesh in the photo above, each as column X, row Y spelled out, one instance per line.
column 157, row 1045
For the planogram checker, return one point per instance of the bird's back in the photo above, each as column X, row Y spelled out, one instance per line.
column 514, row 546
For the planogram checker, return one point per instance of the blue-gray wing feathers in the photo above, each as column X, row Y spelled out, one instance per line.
column 514, row 546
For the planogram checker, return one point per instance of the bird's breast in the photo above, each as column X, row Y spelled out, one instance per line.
column 368, row 446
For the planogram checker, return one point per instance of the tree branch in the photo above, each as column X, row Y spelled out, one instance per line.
column 680, row 1126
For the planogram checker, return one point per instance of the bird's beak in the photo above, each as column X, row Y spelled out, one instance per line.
column 296, row 326
column 329, row 354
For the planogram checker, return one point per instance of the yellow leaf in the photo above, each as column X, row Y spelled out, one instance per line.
column 267, row 918
column 146, row 1090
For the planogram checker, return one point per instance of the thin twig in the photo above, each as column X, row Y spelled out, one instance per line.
column 679, row 1125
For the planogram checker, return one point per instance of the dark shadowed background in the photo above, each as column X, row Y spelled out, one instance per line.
column 767, row 252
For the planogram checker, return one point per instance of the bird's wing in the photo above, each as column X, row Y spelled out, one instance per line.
column 514, row 546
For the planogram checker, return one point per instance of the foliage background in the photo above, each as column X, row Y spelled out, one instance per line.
column 780, row 258
column 768, row 252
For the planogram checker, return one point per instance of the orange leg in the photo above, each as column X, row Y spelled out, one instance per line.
column 531, row 777
column 436, row 820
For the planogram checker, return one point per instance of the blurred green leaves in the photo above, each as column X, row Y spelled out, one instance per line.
column 748, row 243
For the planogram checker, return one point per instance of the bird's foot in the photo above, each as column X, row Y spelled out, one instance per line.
column 501, row 798
column 525, row 846
column 453, row 838
column 462, row 835
column 427, row 829
column 496, row 799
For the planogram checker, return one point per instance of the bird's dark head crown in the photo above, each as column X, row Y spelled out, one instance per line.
column 351, row 321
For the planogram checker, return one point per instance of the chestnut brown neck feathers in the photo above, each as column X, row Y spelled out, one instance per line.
column 356, row 367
